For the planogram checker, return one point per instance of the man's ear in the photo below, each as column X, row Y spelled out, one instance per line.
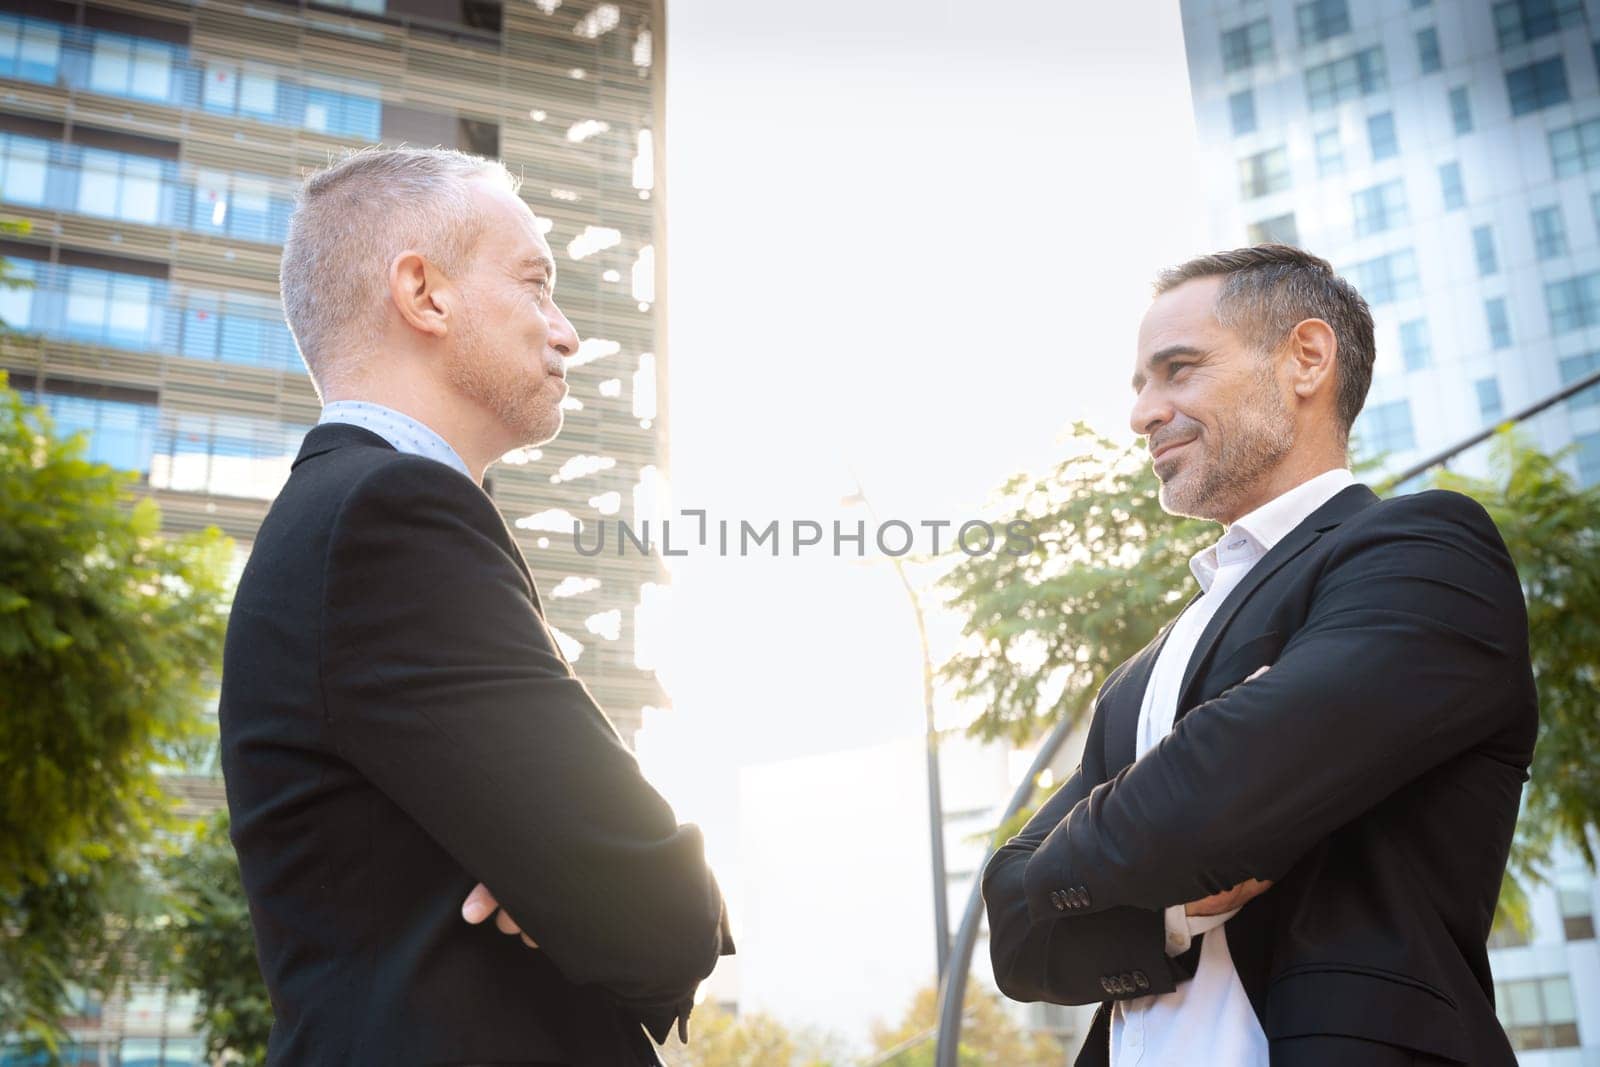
column 423, row 296
column 1313, row 355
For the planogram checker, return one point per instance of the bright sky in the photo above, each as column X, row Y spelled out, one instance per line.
column 908, row 237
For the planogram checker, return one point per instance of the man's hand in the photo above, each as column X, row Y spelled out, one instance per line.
column 1217, row 903
column 480, row 904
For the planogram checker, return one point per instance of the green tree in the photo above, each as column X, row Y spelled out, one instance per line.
column 719, row 1038
column 1042, row 632
column 213, row 951
column 989, row 1036
column 110, row 634
column 1552, row 528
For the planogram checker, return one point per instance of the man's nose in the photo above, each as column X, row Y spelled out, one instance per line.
column 563, row 338
column 1151, row 411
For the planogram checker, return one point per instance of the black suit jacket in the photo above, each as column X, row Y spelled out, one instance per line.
column 397, row 725
column 1373, row 773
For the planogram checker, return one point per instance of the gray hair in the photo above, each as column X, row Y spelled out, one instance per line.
column 1269, row 289
column 350, row 221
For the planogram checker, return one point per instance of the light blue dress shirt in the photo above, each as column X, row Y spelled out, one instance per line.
column 399, row 429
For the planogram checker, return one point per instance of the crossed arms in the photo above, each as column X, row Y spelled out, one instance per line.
column 1413, row 650
column 447, row 692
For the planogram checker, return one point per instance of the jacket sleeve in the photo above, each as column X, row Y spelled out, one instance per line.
column 443, row 686
column 1068, row 958
column 1414, row 650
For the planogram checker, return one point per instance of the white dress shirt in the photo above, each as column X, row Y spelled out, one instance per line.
column 402, row 431
column 1208, row 1019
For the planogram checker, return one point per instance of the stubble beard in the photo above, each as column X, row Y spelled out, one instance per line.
column 1252, row 441
column 523, row 406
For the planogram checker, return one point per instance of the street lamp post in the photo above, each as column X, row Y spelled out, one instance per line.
column 941, row 907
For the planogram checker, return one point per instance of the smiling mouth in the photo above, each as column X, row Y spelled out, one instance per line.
column 1164, row 449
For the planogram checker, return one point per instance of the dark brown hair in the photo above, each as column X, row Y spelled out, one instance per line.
column 1269, row 289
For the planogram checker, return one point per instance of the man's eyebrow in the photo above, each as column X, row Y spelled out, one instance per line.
column 1164, row 356
column 538, row 263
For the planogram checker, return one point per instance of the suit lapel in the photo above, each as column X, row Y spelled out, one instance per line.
column 1345, row 503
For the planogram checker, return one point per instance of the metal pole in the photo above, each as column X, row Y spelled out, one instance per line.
column 1577, row 386
column 953, row 992
column 941, row 892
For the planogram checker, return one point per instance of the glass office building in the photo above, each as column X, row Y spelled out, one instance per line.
column 1445, row 157
column 154, row 149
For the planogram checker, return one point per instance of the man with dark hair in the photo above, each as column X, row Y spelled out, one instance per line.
column 1287, row 834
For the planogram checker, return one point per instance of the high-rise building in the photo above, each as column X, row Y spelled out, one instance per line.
column 154, row 149
column 1446, row 158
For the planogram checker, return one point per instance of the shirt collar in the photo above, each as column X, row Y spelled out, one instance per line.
column 1254, row 535
column 405, row 433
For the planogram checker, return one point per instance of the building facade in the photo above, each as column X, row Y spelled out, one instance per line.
column 153, row 149
column 1445, row 157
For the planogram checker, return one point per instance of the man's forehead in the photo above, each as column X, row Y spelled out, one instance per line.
column 1188, row 310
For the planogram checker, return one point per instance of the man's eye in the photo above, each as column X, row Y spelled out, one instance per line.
column 1174, row 368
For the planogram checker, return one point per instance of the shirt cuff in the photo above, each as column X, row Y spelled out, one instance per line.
column 1183, row 929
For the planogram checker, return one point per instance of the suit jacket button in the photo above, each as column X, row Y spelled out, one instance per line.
column 1083, row 895
column 1108, row 985
column 1141, row 979
column 1059, row 899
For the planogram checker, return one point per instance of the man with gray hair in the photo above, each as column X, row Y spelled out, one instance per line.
column 1288, row 831
column 404, row 744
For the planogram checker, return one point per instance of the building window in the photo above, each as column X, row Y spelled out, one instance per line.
column 1549, row 232
column 1380, row 131
column 1538, row 85
column 1574, row 367
column 1280, row 229
column 1494, row 310
column 16, row 302
column 1322, row 20
column 1264, row 173
column 1519, row 21
column 1245, row 46
column 343, row 113
column 1538, row 1012
column 1415, row 348
column 1588, row 459
column 211, row 327
column 1450, row 187
column 1242, row 112
column 1574, row 149
column 1428, row 58
column 121, row 433
column 1382, row 207
column 117, row 185
column 1489, row 406
column 29, row 49
column 1386, row 428
column 1573, row 302
column 133, row 67
column 230, row 91
column 1577, row 907
column 1330, row 84
column 1483, row 251
column 1330, row 153
column 23, row 163
column 1391, row 277
column 1460, row 110
column 229, row 455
